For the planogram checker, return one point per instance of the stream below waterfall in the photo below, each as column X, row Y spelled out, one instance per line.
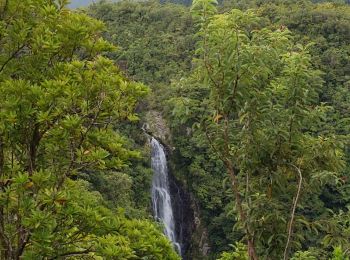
column 161, row 198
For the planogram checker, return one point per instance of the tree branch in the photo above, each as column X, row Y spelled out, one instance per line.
column 11, row 57
column 83, row 252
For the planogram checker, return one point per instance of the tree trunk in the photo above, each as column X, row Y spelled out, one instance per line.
column 33, row 147
column 250, row 241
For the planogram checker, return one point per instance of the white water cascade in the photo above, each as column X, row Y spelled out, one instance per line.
column 161, row 200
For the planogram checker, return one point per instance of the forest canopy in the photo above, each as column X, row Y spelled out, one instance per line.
column 254, row 100
column 61, row 102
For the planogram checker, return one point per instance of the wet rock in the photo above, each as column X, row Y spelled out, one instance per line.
column 156, row 126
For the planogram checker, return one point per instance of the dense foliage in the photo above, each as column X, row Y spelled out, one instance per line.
column 329, row 113
column 61, row 99
column 256, row 95
column 155, row 40
column 259, row 116
column 260, row 141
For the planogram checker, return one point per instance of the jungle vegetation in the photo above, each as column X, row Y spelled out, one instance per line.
column 257, row 98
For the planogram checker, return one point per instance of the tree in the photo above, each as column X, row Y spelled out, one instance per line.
column 61, row 99
column 259, row 117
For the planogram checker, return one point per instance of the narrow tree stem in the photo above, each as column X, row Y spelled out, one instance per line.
column 290, row 226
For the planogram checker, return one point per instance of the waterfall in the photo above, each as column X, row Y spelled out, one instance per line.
column 161, row 199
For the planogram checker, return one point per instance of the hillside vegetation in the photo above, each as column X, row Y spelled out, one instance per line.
column 256, row 95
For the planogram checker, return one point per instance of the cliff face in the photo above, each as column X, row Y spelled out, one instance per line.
column 192, row 235
column 183, row 214
column 155, row 125
column 190, row 232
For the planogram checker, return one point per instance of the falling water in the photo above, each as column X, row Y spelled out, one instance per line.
column 161, row 200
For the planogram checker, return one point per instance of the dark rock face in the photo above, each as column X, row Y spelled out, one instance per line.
column 183, row 214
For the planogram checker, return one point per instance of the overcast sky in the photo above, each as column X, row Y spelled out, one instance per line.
column 80, row 3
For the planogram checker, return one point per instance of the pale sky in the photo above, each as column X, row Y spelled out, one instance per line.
column 80, row 3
